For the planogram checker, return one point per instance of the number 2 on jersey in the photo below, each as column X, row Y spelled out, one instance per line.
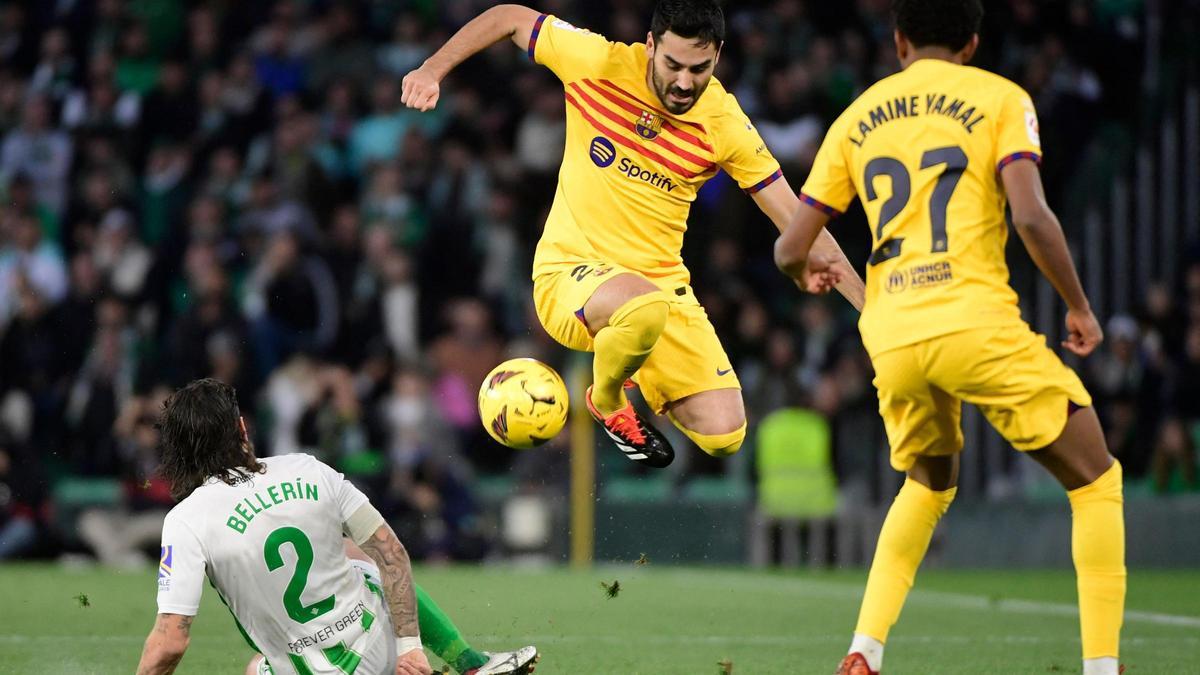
column 292, row 603
column 955, row 161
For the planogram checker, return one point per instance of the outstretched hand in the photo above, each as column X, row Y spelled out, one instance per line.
column 821, row 274
column 420, row 89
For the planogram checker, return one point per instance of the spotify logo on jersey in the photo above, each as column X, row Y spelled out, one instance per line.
column 602, row 152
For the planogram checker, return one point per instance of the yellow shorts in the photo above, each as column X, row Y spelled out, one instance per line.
column 688, row 358
column 1009, row 373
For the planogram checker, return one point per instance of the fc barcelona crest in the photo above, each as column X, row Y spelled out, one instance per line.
column 649, row 125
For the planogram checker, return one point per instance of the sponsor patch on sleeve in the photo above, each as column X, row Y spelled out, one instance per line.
column 559, row 23
column 1031, row 127
column 164, row 568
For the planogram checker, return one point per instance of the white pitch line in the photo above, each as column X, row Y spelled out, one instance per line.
column 837, row 589
column 783, row 640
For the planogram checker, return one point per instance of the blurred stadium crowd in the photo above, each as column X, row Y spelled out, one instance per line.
column 233, row 190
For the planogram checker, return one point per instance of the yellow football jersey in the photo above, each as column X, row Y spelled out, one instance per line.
column 923, row 150
column 631, row 170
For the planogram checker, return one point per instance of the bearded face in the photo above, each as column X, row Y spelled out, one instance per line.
column 680, row 69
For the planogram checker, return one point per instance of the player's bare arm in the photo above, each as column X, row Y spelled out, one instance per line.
column 1043, row 237
column 781, row 205
column 395, row 571
column 421, row 87
column 166, row 644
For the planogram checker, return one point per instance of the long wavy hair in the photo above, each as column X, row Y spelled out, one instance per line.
column 201, row 437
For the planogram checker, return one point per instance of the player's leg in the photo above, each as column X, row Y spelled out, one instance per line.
column 620, row 316
column 923, row 430
column 1041, row 407
column 626, row 315
column 440, row 636
column 714, row 420
column 1079, row 459
column 689, row 378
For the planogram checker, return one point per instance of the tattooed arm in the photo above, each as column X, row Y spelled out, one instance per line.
column 166, row 644
column 395, row 570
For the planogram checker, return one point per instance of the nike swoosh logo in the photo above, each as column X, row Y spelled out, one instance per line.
column 722, row 373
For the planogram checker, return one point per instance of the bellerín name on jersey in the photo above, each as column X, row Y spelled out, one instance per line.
column 911, row 106
column 279, row 493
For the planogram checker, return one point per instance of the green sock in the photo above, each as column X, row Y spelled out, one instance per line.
column 441, row 636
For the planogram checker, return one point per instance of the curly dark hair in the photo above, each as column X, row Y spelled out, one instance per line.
column 941, row 23
column 201, row 438
column 699, row 19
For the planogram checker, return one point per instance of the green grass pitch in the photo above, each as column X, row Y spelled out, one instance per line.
column 664, row 621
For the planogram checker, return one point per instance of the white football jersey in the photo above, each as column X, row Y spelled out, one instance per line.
column 272, row 547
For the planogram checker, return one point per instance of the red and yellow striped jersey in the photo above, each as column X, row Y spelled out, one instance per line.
column 631, row 170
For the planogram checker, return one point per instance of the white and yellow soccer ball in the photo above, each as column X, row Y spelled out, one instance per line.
column 523, row 403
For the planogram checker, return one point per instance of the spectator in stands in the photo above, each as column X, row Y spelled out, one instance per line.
column 293, row 302
column 269, row 213
column 120, row 257
column 377, row 137
column 22, row 488
column 209, row 328
column 344, row 52
column 100, row 390
column 27, row 259
column 1173, row 463
column 137, row 68
column 280, row 71
column 121, row 534
column 40, row 151
column 56, row 72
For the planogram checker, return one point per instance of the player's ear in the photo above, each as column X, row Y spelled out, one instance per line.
column 901, row 46
column 242, row 430
column 650, row 43
column 968, row 52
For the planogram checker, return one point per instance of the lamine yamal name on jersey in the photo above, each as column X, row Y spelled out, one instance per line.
column 916, row 106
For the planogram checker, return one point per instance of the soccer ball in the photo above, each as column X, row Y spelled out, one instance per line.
column 523, row 403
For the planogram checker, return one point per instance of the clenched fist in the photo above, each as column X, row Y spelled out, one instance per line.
column 420, row 89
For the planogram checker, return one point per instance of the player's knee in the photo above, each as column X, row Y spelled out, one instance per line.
column 719, row 445
column 645, row 315
column 1108, row 487
column 938, row 499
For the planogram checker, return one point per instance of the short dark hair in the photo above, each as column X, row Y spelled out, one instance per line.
column 941, row 23
column 702, row 20
column 201, row 438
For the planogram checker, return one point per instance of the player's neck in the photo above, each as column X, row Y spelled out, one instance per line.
column 933, row 54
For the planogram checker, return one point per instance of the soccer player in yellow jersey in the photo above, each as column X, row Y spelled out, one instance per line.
column 647, row 125
column 935, row 153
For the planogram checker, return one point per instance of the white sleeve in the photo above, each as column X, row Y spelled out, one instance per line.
column 347, row 497
column 180, row 569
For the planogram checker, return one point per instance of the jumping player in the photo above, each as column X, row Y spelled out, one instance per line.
column 647, row 125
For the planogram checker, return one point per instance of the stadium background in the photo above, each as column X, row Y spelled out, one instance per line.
column 233, row 190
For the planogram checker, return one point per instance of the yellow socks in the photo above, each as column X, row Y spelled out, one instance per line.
column 1098, row 548
column 717, row 445
column 623, row 346
column 903, row 542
